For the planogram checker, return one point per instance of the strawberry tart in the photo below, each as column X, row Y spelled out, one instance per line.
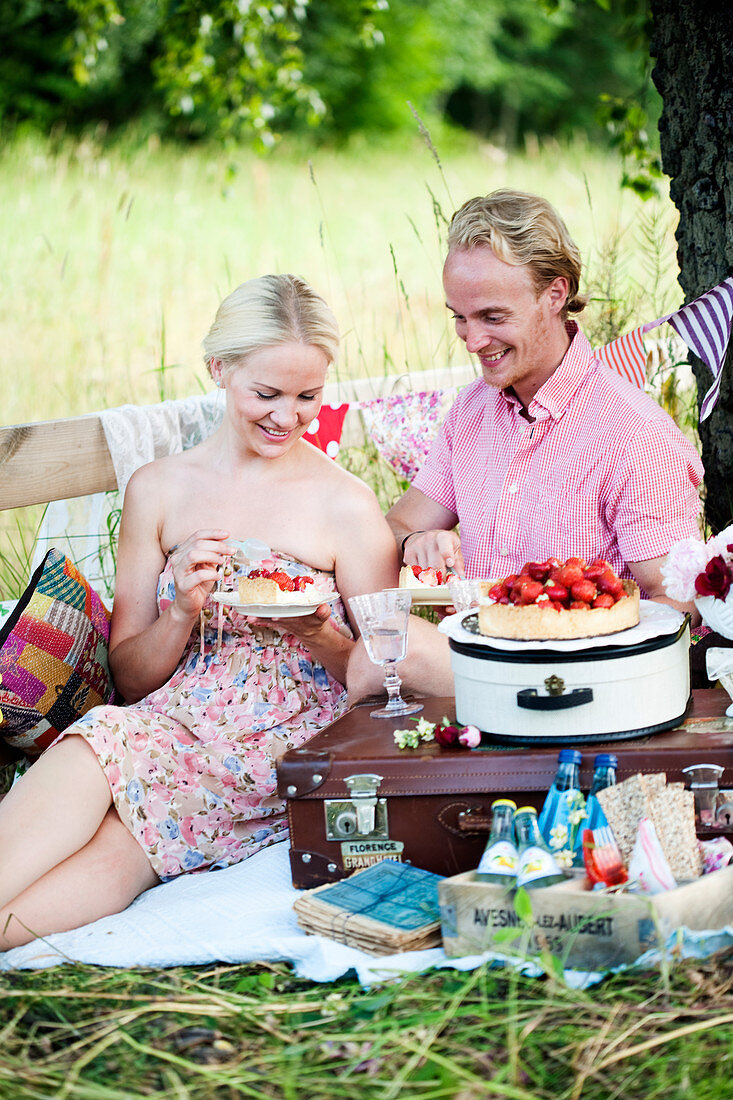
column 556, row 600
column 266, row 586
column 414, row 576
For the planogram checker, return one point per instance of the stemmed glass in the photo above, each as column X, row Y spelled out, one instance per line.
column 382, row 620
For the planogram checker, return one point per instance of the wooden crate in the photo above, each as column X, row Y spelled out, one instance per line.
column 587, row 929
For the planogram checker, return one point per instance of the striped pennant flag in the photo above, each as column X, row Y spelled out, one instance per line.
column 626, row 355
column 704, row 324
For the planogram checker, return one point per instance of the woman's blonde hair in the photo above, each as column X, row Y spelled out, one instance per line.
column 521, row 229
column 265, row 312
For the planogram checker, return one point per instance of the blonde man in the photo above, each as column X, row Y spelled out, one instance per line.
column 549, row 453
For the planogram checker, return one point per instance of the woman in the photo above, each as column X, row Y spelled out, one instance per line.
column 183, row 778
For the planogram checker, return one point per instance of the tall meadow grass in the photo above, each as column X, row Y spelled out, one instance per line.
column 116, row 256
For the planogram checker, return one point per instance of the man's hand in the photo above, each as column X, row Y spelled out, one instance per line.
column 435, row 549
column 648, row 575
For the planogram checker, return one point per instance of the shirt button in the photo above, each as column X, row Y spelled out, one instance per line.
column 512, row 489
column 504, row 552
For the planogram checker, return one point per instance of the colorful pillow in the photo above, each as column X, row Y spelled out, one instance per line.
column 53, row 656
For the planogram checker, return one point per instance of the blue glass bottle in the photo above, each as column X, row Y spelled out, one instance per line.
column 563, row 797
column 604, row 775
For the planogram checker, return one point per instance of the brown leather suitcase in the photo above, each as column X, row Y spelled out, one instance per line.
column 354, row 798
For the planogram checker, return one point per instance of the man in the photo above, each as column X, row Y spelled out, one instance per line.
column 548, row 454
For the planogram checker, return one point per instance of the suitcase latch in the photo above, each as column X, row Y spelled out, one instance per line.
column 363, row 815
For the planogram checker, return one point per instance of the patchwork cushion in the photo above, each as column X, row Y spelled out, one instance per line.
column 53, row 656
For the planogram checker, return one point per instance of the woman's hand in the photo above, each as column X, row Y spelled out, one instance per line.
column 311, row 629
column 327, row 643
column 196, row 565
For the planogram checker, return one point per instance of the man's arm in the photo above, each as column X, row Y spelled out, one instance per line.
column 648, row 575
column 428, row 529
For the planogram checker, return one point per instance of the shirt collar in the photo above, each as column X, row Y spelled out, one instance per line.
column 552, row 398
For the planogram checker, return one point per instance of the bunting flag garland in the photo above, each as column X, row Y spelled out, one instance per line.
column 325, row 431
column 626, row 355
column 704, row 324
column 402, row 426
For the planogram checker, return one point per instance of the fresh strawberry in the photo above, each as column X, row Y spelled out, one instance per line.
column 538, row 570
column 429, row 576
column 253, row 573
column 604, row 599
column 579, row 562
column 284, row 582
column 497, row 591
column 583, row 590
column 416, row 571
column 578, row 605
column 569, row 574
column 609, row 582
column 593, row 571
column 301, row 583
column 556, row 591
column 529, row 591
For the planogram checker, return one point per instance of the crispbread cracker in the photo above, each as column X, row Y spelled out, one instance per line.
column 673, row 815
column 626, row 803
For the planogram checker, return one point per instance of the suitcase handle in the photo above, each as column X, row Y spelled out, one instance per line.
column 530, row 700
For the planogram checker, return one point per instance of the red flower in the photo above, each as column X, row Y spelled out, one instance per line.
column 447, row 735
column 716, row 580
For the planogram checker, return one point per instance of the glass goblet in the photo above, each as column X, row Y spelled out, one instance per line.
column 382, row 620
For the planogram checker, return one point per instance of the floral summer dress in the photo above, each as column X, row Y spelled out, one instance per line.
column 192, row 766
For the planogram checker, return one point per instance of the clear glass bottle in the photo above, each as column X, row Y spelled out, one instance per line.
column 499, row 861
column 563, row 799
column 536, row 865
column 604, row 775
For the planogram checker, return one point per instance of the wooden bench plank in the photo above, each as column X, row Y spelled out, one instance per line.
column 53, row 460
column 60, row 459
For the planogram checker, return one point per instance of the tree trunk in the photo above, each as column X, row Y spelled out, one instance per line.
column 692, row 42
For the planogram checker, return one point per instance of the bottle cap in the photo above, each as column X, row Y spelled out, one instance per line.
column 605, row 760
column 569, row 756
column 503, row 802
column 525, row 810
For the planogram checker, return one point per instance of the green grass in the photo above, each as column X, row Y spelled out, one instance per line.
column 249, row 1031
column 116, row 257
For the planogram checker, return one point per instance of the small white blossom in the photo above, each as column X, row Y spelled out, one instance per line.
column 425, row 730
column 575, row 817
column 565, row 857
column 558, row 836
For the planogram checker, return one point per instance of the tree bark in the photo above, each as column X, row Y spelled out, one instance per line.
column 692, row 42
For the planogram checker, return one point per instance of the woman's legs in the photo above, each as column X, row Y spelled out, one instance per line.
column 52, row 812
column 102, row 877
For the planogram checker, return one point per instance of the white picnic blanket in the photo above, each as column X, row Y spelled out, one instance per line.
column 245, row 914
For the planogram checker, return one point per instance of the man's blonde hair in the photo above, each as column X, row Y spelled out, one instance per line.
column 521, row 229
column 265, row 312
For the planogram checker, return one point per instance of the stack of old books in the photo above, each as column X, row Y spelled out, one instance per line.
column 383, row 910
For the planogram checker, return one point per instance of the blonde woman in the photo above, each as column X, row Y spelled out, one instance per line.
column 183, row 779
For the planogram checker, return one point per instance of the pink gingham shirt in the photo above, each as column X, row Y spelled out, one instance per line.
column 602, row 472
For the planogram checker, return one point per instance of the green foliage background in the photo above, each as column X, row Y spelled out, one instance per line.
column 243, row 70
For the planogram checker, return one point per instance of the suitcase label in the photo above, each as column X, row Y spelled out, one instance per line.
column 356, row 854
